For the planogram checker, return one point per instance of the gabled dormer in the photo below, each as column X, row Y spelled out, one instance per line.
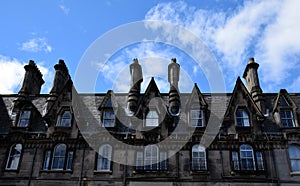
column 242, row 114
column 196, row 109
column 28, row 118
column 108, row 110
column 152, row 106
column 284, row 110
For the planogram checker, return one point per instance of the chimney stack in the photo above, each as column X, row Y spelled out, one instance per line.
column 33, row 80
column 173, row 78
column 135, row 85
column 61, row 77
column 252, row 83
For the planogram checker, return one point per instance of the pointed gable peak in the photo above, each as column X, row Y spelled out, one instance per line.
column 109, row 100
column 196, row 97
column 152, row 88
column 283, row 99
column 241, row 94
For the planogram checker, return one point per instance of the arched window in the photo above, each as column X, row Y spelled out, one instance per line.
column 64, row 120
column 294, row 154
column 152, row 119
column 59, row 156
column 247, row 157
column 104, row 158
column 14, row 157
column 151, row 157
column 242, row 118
column 198, row 158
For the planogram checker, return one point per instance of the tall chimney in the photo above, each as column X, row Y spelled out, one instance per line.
column 252, row 83
column 61, row 77
column 135, row 85
column 173, row 78
column 33, row 80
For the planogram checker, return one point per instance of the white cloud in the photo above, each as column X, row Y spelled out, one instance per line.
column 36, row 45
column 64, row 9
column 269, row 30
column 12, row 74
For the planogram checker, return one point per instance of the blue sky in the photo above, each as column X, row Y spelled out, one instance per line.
column 233, row 31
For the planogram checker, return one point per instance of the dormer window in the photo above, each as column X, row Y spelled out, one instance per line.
column 152, row 119
column 196, row 118
column 24, row 118
column 287, row 119
column 65, row 119
column 242, row 118
column 108, row 118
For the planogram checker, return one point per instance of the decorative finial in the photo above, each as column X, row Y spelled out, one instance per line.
column 251, row 60
column 135, row 60
column 173, row 60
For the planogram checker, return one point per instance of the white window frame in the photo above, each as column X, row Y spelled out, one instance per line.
column 243, row 120
column 152, row 118
column 196, row 117
column 24, row 118
column 199, row 158
column 64, row 119
column 108, row 118
column 151, row 158
column 285, row 119
column 59, row 154
column 247, row 155
column 294, row 157
column 104, row 158
column 14, row 157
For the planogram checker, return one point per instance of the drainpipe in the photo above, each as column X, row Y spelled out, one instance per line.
column 32, row 166
column 81, row 169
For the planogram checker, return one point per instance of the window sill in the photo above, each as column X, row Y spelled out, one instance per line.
column 11, row 170
column 56, row 171
column 294, row 173
column 102, row 172
column 199, row 172
column 150, row 171
column 248, row 172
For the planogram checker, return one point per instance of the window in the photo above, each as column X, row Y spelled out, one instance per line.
column 163, row 164
column 294, row 155
column 104, row 158
column 246, row 159
column 153, row 160
column 196, row 118
column 198, row 158
column 64, row 120
column 287, row 118
column 61, row 159
column 139, row 161
column 14, row 157
column 24, row 118
column 235, row 161
column 259, row 160
column 152, row 119
column 242, row 118
column 108, row 118
column 151, row 157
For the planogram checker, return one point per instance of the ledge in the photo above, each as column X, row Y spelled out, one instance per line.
column 102, row 172
column 294, row 173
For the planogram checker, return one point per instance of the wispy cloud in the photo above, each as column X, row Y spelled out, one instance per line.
column 36, row 45
column 12, row 74
column 267, row 30
column 64, row 9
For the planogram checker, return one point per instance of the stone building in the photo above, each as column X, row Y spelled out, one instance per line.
column 246, row 137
